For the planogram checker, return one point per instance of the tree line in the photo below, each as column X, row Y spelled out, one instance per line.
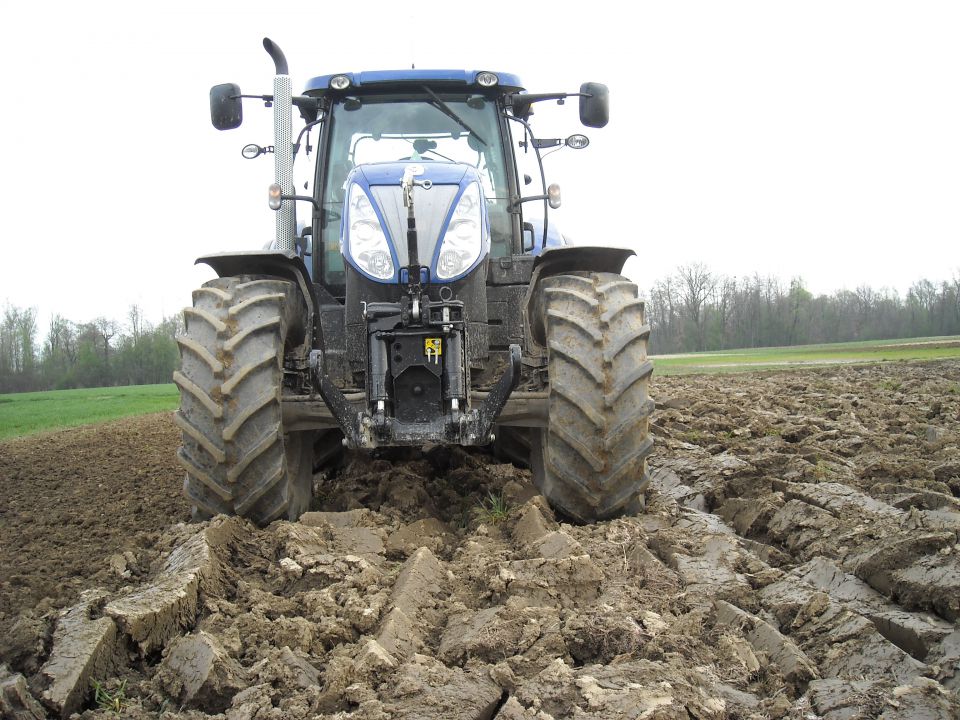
column 692, row 309
column 99, row 353
column 696, row 309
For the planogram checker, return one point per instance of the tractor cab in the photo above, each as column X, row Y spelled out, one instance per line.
column 449, row 123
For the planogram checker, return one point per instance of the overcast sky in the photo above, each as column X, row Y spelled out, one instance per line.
column 815, row 139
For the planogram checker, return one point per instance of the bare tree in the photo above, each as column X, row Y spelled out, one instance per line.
column 18, row 339
column 724, row 293
column 27, row 330
column 696, row 286
column 106, row 330
column 135, row 322
column 799, row 297
column 663, row 315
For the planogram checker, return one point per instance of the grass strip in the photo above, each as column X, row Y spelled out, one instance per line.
column 33, row 412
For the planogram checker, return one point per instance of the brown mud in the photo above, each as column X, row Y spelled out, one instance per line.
column 84, row 507
column 799, row 558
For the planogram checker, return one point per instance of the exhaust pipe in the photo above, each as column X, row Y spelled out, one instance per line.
column 283, row 145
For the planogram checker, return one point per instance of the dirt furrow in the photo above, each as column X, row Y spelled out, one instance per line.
column 797, row 558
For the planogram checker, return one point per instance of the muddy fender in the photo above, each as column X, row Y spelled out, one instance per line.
column 563, row 260
column 274, row 263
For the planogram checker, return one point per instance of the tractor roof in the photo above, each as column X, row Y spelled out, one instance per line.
column 384, row 79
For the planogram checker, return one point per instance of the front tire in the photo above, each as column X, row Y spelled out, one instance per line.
column 591, row 460
column 236, row 455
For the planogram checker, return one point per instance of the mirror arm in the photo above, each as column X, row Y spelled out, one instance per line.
column 302, row 102
column 529, row 98
column 519, row 201
column 547, row 142
column 521, row 103
column 306, row 198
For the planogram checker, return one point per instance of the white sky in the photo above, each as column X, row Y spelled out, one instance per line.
column 817, row 138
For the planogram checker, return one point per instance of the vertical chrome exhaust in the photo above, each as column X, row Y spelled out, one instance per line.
column 283, row 145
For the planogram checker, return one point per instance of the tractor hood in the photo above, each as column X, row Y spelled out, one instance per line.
column 451, row 218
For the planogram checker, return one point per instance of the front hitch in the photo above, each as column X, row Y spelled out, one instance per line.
column 364, row 430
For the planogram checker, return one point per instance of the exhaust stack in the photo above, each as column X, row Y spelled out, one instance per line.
column 283, row 145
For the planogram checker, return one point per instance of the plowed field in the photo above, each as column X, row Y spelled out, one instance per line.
column 798, row 558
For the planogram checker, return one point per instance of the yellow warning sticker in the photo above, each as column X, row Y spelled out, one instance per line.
column 432, row 347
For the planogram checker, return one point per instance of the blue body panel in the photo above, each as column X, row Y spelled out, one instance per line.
column 391, row 173
column 369, row 78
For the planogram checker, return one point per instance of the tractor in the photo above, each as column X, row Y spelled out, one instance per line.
column 423, row 303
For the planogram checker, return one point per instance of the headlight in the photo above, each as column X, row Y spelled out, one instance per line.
column 463, row 241
column 368, row 243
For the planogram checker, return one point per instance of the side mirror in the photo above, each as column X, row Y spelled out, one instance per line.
column 226, row 107
column 527, row 245
column 594, row 105
column 303, row 241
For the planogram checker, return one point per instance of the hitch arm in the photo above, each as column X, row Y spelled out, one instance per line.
column 489, row 411
column 342, row 409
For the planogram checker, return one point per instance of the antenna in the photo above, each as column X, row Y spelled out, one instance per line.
column 412, row 32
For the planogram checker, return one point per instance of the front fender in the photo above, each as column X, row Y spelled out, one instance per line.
column 571, row 258
column 561, row 260
column 277, row 263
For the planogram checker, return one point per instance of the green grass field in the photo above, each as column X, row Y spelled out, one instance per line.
column 801, row 356
column 28, row 413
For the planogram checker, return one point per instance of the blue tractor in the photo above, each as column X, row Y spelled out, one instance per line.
column 417, row 302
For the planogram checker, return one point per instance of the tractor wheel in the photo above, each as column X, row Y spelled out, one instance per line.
column 238, row 459
column 590, row 462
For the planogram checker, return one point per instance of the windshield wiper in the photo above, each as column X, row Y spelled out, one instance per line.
column 450, row 113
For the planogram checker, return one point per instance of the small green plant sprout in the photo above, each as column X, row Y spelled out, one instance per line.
column 822, row 470
column 109, row 700
column 494, row 508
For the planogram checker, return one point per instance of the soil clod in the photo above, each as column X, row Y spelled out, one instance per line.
column 798, row 557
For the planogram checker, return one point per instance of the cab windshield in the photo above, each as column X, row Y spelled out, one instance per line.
column 443, row 128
